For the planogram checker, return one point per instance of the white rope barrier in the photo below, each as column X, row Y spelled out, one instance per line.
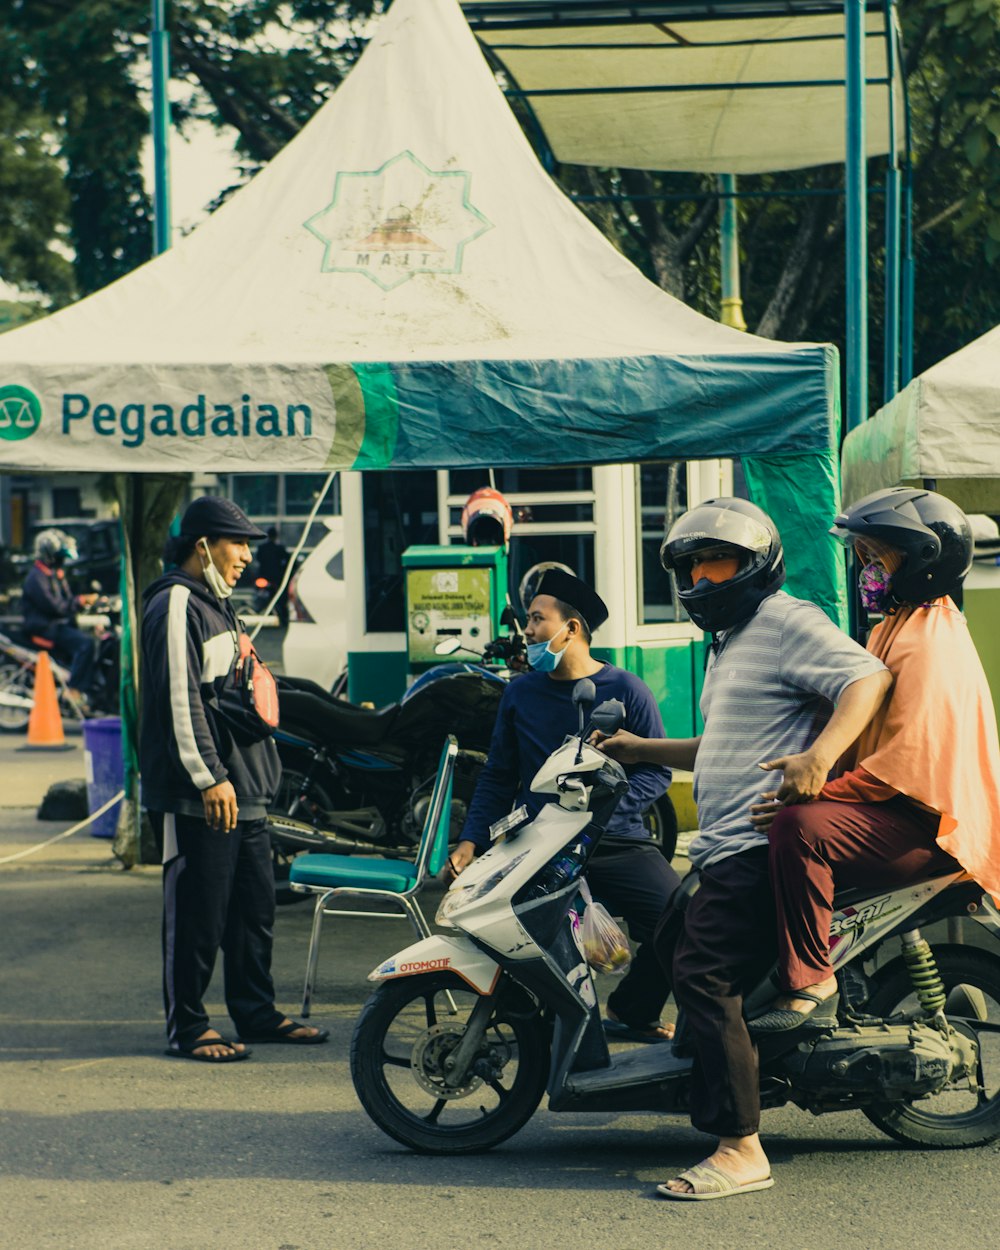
column 68, row 833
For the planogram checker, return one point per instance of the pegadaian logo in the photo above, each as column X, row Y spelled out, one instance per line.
column 398, row 220
column 20, row 413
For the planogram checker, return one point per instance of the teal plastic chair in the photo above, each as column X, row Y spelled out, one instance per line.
column 331, row 877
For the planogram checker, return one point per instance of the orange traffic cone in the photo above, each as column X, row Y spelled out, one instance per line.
column 45, row 729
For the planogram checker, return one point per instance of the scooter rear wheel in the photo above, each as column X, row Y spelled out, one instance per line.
column 402, row 1041
column 958, row 1116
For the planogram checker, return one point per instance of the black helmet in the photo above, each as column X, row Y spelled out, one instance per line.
column 736, row 523
column 932, row 534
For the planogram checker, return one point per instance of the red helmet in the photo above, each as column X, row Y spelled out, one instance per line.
column 487, row 518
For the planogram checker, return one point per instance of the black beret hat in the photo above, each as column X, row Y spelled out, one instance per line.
column 581, row 597
column 211, row 517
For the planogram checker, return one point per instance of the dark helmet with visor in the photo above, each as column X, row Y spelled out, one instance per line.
column 932, row 534
column 734, row 523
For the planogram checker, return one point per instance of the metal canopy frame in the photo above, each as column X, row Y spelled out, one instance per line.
column 488, row 18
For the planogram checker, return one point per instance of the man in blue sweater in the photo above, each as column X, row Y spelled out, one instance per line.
column 627, row 872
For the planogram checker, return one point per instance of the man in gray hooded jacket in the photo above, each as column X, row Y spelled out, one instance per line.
column 207, row 780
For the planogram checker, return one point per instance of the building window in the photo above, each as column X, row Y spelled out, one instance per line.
column 553, row 517
column 400, row 510
column 665, row 491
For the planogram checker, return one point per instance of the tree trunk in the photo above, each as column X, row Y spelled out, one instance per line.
column 147, row 504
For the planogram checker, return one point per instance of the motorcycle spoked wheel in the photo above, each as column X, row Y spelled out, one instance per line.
column 18, row 683
column 957, row 1117
column 402, row 1038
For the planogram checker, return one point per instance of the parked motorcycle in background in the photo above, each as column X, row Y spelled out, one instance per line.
column 466, row 1031
column 19, row 659
column 358, row 780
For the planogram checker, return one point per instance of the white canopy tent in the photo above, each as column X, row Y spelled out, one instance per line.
column 943, row 427
column 404, row 286
column 713, row 87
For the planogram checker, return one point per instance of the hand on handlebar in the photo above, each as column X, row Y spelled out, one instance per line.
column 460, row 858
column 622, row 746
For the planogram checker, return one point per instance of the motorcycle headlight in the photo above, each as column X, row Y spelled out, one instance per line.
column 460, row 896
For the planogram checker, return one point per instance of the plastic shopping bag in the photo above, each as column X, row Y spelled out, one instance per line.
column 605, row 947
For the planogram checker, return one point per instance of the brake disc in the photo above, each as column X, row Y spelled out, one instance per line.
column 428, row 1059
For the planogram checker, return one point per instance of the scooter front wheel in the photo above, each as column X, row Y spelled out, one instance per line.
column 400, row 1050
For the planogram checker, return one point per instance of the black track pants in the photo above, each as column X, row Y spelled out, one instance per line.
column 218, row 893
column 635, row 883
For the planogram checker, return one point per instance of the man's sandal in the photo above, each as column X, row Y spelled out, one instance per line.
column 283, row 1033
column 655, row 1031
column 186, row 1050
column 708, row 1181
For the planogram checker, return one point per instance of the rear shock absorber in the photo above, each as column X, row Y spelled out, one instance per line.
column 923, row 970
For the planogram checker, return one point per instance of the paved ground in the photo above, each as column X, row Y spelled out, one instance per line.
column 105, row 1143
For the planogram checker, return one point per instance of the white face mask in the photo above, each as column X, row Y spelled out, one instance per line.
column 217, row 584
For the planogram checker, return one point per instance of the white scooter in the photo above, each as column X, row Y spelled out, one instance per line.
column 467, row 1030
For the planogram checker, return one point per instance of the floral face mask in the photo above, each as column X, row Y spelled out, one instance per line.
column 874, row 582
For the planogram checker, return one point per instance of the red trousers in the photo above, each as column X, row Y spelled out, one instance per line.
column 816, row 848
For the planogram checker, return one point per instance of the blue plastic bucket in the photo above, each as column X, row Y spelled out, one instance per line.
column 102, row 753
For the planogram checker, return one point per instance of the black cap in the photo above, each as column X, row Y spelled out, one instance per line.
column 210, row 517
column 582, row 598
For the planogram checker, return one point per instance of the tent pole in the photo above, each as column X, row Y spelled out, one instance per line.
column 893, row 201
column 128, row 837
column 159, row 51
column 731, row 304
column 908, row 276
column 856, row 216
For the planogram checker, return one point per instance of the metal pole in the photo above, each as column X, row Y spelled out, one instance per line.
column 159, row 53
column 893, row 201
column 908, row 275
column 731, row 304
column 856, row 215
column 890, row 376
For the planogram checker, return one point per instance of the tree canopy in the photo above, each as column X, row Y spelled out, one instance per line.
column 74, row 213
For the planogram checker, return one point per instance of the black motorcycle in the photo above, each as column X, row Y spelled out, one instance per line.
column 358, row 780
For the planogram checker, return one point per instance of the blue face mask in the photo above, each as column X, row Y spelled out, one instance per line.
column 541, row 659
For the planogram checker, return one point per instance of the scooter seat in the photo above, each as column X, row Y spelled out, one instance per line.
column 319, row 717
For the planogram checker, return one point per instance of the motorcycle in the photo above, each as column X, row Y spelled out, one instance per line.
column 466, row 1031
column 359, row 780
column 19, row 660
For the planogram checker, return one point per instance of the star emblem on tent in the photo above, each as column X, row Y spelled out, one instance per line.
column 396, row 221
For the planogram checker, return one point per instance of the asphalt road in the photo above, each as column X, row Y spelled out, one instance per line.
column 106, row 1144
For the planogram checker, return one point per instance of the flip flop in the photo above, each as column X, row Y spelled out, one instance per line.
column 186, row 1050
column 283, row 1034
column 784, row 1019
column 708, row 1181
column 619, row 1031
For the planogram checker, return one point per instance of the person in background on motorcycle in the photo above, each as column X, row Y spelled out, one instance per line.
column 627, row 872
column 50, row 609
column 783, row 686
column 272, row 560
column 918, row 794
column 207, row 779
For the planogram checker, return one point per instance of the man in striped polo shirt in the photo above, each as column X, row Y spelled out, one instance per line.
column 786, row 691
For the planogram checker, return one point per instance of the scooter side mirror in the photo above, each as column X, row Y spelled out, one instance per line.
column 584, row 692
column 608, row 717
column 447, row 646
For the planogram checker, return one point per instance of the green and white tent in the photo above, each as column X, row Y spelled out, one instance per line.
column 944, row 427
column 404, row 286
